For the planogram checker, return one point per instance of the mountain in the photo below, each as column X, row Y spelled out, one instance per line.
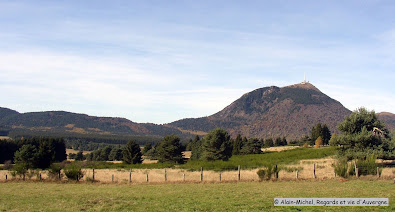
column 289, row 111
column 388, row 118
column 63, row 123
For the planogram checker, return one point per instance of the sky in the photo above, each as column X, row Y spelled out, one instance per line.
column 161, row 61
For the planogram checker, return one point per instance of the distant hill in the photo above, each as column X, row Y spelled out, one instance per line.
column 63, row 123
column 388, row 118
column 4, row 112
column 273, row 111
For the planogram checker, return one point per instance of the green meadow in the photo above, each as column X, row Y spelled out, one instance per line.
column 244, row 196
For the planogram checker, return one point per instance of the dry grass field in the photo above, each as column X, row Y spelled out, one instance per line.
column 279, row 148
column 68, row 151
column 324, row 170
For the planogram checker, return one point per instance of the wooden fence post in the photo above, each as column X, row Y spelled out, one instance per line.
column 6, row 177
column 130, row 176
column 147, row 178
column 238, row 176
column 276, row 172
column 165, row 175
column 378, row 172
column 183, row 177
column 93, row 175
column 201, row 174
column 314, row 172
column 220, row 176
column 112, row 178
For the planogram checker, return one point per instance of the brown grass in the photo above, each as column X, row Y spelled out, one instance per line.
column 324, row 170
column 279, row 148
column 177, row 175
column 68, row 151
column 187, row 154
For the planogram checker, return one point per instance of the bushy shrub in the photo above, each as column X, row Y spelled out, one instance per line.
column 261, row 174
column 32, row 173
column 318, row 142
column 269, row 172
column 367, row 166
column 341, row 168
column 19, row 169
column 73, row 172
column 54, row 171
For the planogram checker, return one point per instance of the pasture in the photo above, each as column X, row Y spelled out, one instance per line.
column 244, row 196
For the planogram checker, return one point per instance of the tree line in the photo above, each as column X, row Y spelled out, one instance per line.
column 216, row 145
column 33, row 153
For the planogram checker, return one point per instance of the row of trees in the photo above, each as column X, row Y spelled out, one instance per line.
column 216, row 145
column 108, row 153
column 33, row 153
column 240, row 145
column 167, row 150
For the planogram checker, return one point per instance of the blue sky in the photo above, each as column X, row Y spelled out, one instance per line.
column 160, row 61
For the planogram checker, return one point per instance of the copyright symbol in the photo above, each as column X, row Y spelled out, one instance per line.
column 276, row 201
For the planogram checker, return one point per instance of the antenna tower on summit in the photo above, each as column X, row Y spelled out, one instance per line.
column 304, row 81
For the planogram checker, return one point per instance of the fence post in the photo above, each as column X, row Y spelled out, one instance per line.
column 147, row 178
column 297, row 174
column 112, row 178
column 183, row 177
column 40, row 176
column 130, row 176
column 378, row 172
column 165, row 175
column 201, row 174
column 238, row 176
column 6, row 177
column 314, row 172
column 276, row 172
column 220, row 177
column 93, row 175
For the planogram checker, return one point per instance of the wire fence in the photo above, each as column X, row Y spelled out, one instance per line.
column 310, row 171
